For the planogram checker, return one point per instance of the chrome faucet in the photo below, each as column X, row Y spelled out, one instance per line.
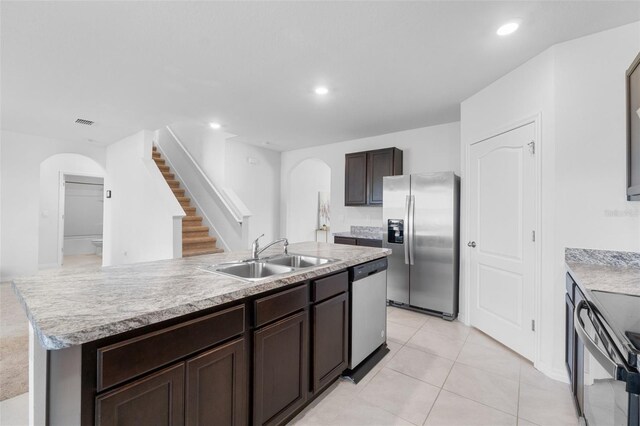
column 255, row 247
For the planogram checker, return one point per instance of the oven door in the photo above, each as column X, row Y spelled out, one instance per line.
column 606, row 401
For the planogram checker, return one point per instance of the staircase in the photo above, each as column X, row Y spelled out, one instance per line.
column 195, row 236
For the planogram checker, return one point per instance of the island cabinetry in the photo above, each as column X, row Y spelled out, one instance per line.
column 281, row 353
column 330, row 329
column 204, row 383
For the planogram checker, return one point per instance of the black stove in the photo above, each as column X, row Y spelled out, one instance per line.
column 621, row 315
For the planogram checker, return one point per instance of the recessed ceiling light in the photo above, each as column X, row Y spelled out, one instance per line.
column 508, row 28
column 215, row 125
column 321, row 90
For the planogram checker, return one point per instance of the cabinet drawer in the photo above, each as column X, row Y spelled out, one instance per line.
column 280, row 304
column 344, row 240
column 122, row 361
column 369, row 243
column 325, row 288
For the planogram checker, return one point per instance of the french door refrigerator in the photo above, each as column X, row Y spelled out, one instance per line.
column 421, row 221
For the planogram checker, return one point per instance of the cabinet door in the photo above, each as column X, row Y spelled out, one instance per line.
column 330, row 339
column 155, row 400
column 569, row 358
column 281, row 371
column 379, row 163
column 216, row 386
column 355, row 179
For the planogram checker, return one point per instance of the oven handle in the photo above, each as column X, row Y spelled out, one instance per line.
column 602, row 357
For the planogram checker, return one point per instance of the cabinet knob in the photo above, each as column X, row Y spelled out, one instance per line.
column 471, row 244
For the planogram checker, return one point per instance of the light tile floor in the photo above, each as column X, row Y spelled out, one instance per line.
column 437, row 373
column 444, row 373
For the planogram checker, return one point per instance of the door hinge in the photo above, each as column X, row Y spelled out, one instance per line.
column 533, row 236
column 533, row 325
column 532, row 147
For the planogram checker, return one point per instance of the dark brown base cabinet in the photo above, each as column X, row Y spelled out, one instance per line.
column 216, row 370
column 330, row 340
column 280, row 369
column 154, row 400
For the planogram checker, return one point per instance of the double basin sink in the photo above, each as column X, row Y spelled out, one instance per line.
column 257, row 269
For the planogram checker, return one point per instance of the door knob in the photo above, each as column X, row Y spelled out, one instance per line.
column 471, row 244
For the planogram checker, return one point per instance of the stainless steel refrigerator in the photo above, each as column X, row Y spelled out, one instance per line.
column 421, row 222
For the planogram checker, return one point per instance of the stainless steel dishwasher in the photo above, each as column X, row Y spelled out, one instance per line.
column 368, row 327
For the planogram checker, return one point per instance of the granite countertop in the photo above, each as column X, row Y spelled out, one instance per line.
column 72, row 307
column 364, row 232
column 603, row 270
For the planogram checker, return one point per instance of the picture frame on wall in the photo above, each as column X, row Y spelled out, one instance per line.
column 633, row 130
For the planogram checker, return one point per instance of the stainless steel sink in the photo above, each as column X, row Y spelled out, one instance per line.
column 251, row 270
column 298, row 261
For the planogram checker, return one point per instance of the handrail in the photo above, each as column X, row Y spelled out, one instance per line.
column 235, row 215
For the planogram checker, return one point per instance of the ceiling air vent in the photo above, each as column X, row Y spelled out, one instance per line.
column 83, row 121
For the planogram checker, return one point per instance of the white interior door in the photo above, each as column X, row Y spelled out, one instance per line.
column 502, row 185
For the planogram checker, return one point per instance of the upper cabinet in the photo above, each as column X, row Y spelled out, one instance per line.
column 364, row 172
column 633, row 131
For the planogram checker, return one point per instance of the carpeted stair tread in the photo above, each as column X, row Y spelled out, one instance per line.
column 198, row 252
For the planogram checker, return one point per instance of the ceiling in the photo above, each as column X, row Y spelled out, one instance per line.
column 252, row 66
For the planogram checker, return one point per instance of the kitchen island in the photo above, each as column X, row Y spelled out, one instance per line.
column 173, row 343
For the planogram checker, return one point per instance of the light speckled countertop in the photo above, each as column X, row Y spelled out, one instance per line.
column 72, row 307
column 364, row 232
column 611, row 271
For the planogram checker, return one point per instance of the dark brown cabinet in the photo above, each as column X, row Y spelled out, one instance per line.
column 355, row 177
column 155, row 400
column 281, row 371
column 364, row 172
column 216, row 386
column 357, row 242
column 330, row 344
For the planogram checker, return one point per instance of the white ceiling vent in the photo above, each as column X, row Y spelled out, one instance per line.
column 83, row 121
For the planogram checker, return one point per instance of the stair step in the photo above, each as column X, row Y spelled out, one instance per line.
column 154, row 148
column 159, row 161
column 173, row 183
column 198, row 252
column 195, row 231
column 190, row 245
column 190, row 211
column 178, row 192
column 197, row 240
column 168, row 175
column 184, row 200
column 155, row 154
column 192, row 220
column 163, row 168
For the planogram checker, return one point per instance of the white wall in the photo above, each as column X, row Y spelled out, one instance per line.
column 206, row 145
column 428, row 149
column 20, row 180
column 577, row 88
column 253, row 173
column 307, row 179
column 142, row 219
column 49, row 209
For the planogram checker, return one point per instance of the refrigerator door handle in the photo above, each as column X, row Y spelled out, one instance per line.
column 406, row 230
column 412, row 209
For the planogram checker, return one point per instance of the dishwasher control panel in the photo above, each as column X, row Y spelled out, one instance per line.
column 363, row 271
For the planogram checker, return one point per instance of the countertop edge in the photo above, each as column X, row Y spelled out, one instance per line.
column 79, row 337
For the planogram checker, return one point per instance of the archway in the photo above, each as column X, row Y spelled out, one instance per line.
column 309, row 181
column 51, row 207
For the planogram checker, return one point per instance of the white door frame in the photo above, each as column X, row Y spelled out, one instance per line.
column 61, row 199
column 536, row 120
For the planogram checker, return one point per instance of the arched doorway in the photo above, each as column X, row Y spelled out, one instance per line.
column 82, row 177
column 309, row 191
